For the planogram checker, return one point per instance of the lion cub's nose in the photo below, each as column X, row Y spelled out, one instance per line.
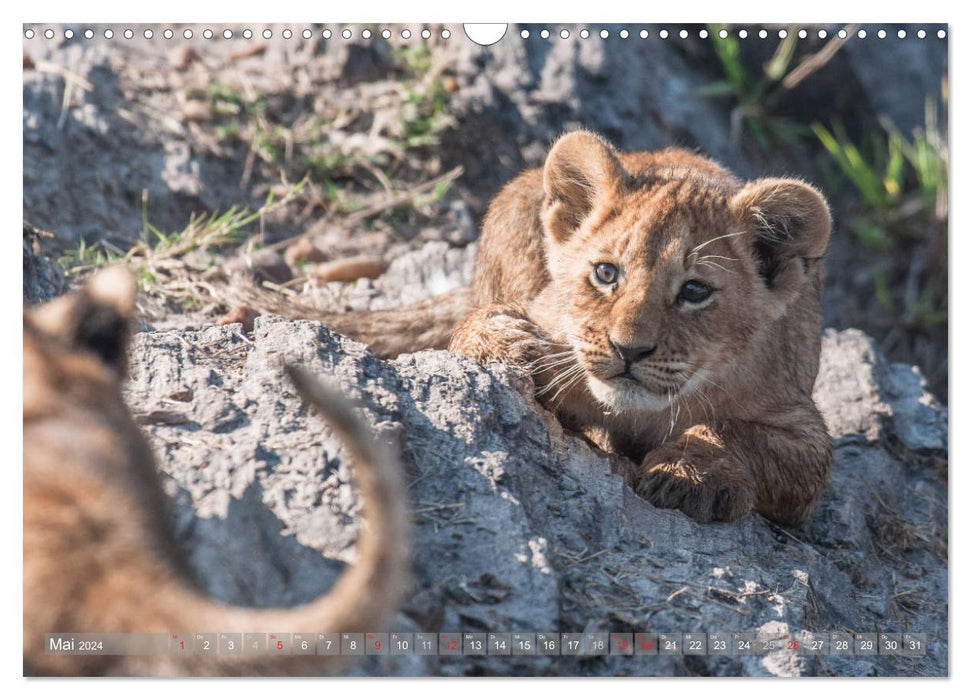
column 630, row 355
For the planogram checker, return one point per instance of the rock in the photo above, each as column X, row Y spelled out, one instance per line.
column 514, row 97
column 918, row 70
column 520, row 527
column 43, row 275
column 435, row 268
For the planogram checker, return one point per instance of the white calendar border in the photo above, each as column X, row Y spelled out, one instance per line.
column 384, row 11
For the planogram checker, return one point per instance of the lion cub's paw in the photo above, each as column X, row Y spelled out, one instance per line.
column 702, row 485
column 498, row 334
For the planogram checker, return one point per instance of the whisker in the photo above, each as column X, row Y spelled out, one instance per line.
column 551, row 356
column 711, row 264
column 720, row 257
column 567, row 386
column 563, row 376
column 671, row 426
column 553, row 364
column 716, row 238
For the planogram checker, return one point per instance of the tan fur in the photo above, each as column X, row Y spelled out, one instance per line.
column 719, row 417
column 427, row 324
column 97, row 554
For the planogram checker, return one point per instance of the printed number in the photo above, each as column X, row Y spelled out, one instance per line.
column 426, row 644
column 279, row 646
column 842, row 645
column 816, row 644
column 377, row 645
column 647, row 644
column 793, row 645
column 452, row 645
column 500, row 644
column 598, row 644
column 304, row 646
column 622, row 645
column 744, row 645
column 573, row 644
column 328, row 643
column 232, row 645
column 694, row 645
column 403, row 645
column 670, row 644
column 353, row 644
column 719, row 645
column 913, row 644
column 890, row 644
column 525, row 645
column 205, row 645
column 475, row 645
column 549, row 645
column 181, row 646
column 866, row 645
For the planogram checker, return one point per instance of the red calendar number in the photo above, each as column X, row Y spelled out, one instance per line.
column 793, row 645
column 279, row 645
column 647, row 644
column 452, row 645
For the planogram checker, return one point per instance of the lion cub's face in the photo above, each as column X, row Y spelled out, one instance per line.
column 668, row 267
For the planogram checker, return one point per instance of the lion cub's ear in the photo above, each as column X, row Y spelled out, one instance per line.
column 97, row 318
column 789, row 224
column 581, row 171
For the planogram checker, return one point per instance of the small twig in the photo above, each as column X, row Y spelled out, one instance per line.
column 67, row 74
column 65, row 103
column 683, row 589
column 817, row 60
column 247, row 167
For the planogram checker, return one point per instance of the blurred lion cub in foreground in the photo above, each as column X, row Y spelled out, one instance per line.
column 97, row 554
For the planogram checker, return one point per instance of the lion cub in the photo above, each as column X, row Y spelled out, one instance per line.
column 667, row 310
column 97, row 554
column 672, row 314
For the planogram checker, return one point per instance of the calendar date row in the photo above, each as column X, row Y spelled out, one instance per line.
column 584, row 644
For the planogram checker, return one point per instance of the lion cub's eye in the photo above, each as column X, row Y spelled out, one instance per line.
column 605, row 273
column 694, row 292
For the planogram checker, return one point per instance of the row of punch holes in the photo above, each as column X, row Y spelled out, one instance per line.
column 406, row 33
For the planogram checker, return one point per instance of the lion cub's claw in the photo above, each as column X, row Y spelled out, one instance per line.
column 677, row 480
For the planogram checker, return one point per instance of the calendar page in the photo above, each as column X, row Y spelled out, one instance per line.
column 511, row 350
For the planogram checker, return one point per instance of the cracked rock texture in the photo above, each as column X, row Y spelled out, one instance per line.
column 520, row 527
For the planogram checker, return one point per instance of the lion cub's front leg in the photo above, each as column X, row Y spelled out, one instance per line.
column 721, row 473
column 500, row 333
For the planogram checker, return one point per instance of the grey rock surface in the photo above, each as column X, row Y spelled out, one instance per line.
column 43, row 276
column 522, row 528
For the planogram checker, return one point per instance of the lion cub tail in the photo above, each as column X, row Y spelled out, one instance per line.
column 367, row 593
column 424, row 325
